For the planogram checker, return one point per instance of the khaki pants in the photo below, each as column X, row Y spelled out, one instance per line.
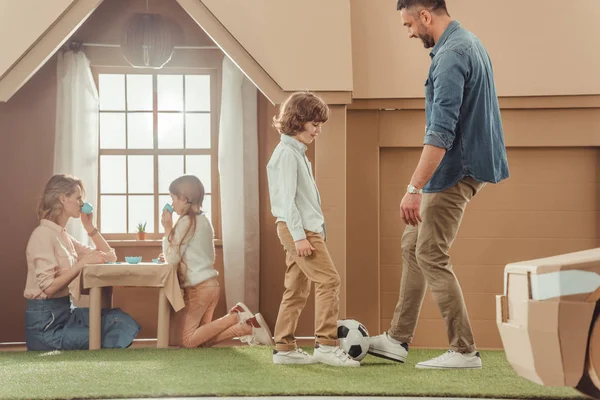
column 193, row 325
column 301, row 271
column 425, row 261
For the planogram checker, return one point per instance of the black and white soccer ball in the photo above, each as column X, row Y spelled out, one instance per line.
column 354, row 338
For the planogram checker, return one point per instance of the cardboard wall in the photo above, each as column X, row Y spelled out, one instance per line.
column 533, row 214
column 301, row 45
column 26, row 159
column 22, row 23
column 537, row 47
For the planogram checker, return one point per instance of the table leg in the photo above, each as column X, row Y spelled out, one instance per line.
column 95, row 321
column 162, row 329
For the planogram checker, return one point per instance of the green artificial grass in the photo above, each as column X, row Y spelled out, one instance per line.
column 247, row 371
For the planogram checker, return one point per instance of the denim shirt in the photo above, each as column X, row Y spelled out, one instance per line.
column 462, row 112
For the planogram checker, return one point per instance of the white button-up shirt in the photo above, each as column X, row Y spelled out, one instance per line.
column 294, row 195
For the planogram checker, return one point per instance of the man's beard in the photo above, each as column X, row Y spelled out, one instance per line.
column 427, row 40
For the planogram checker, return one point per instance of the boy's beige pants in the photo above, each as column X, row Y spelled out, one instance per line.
column 301, row 271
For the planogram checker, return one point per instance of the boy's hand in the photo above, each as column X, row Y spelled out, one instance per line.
column 304, row 248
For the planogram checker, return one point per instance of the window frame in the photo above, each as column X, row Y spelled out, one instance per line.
column 155, row 152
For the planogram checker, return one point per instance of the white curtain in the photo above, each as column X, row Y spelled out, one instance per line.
column 238, row 169
column 76, row 142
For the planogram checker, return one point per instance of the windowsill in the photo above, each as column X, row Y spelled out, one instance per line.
column 146, row 243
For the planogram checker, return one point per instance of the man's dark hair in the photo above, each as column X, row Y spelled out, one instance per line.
column 432, row 5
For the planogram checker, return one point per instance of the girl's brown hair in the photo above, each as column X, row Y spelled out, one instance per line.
column 190, row 189
column 49, row 206
column 297, row 110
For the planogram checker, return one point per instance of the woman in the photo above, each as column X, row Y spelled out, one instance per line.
column 54, row 260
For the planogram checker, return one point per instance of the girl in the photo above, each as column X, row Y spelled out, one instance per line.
column 54, row 260
column 190, row 244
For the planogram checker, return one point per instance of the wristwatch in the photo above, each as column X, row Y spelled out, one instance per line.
column 413, row 190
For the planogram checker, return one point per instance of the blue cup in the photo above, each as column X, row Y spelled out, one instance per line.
column 87, row 208
column 168, row 207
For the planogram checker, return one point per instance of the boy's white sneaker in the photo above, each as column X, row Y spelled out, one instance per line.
column 453, row 360
column 383, row 346
column 334, row 355
column 296, row 356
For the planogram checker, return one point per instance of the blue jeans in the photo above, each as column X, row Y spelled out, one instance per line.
column 51, row 325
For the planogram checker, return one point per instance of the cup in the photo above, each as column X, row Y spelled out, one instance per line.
column 168, row 207
column 87, row 208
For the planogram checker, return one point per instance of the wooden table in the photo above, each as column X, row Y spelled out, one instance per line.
column 95, row 277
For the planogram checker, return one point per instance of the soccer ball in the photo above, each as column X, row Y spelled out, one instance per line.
column 354, row 338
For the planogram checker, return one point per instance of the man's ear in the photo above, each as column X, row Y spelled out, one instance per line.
column 425, row 17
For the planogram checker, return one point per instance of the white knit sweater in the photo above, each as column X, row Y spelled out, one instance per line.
column 197, row 252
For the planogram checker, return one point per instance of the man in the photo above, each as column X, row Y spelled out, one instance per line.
column 463, row 149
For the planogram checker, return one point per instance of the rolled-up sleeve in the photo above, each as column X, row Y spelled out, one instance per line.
column 44, row 260
column 288, row 183
column 448, row 79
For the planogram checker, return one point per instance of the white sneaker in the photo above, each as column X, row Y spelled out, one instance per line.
column 243, row 311
column 261, row 334
column 382, row 346
column 335, row 356
column 293, row 357
column 245, row 314
column 452, row 359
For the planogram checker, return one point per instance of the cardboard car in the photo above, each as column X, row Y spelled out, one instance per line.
column 549, row 320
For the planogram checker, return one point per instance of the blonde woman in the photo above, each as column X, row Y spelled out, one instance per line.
column 54, row 260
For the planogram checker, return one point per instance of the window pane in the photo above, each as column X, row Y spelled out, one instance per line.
column 112, row 211
column 112, row 130
column 170, row 92
column 139, row 93
column 199, row 166
column 162, row 200
column 197, row 92
column 112, row 174
column 139, row 131
column 170, row 131
column 169, row 168
column 207, row 205
column 141, row 209
column 111, row 91
column 141, row 174
column 197, row 131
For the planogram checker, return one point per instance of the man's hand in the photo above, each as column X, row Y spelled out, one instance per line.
column 410, row 209
column 304, row 248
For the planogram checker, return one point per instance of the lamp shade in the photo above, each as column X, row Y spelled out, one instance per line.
column 146, row 41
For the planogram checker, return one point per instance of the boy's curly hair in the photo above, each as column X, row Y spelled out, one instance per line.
column 297, row 110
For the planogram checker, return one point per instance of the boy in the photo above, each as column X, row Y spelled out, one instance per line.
column 296, row 205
